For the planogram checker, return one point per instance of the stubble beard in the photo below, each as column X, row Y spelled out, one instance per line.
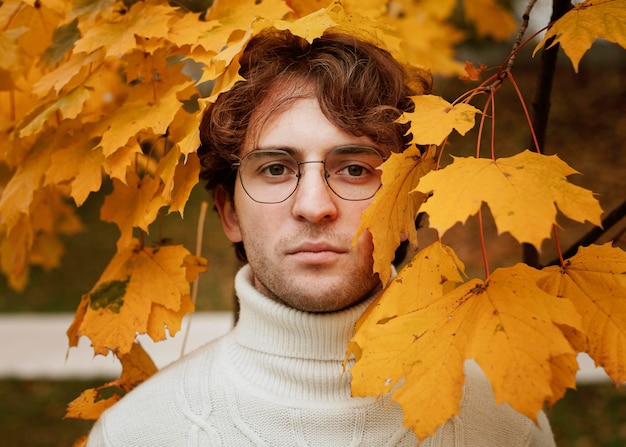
column 348, row 288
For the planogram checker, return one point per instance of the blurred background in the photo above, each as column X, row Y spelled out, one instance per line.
column 587, row 129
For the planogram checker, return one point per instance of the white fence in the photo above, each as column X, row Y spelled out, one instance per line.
column 35, row 346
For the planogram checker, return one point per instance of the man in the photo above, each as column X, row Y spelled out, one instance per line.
column 292, row 155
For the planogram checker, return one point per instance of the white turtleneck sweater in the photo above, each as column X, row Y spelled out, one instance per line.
column 277, row 380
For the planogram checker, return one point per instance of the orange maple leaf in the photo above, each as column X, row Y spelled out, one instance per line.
column 473, row 73
column 434, row 119
column 522, row 192
column 120, row 304
column 595, row 281
column 134, row 204
column 580, row 27
column 490, row 18
column 137, row 366
column 118, row 31
column 391, row 216
column 507, row 324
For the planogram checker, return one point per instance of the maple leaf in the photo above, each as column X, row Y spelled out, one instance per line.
column 434, row 119
column 490, row 18
column 137, row 366
column 186, row 177
column 522, row 192
column 84, row 175
column 595, row 281
column 18, row 193
column 118, row 31
column 119, row 305
column 151, row 105
column 392, row 213
column 507, row 324
column 473, row 73
column 124, row 158
column 583, row 24
column 68, row 107
column 184, row 130
column 433, row 271
column 77, row 67
column 134, row 204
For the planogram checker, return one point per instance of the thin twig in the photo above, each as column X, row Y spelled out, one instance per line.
column 194, row 291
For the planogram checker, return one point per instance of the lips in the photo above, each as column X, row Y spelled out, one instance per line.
column 315, row 247
column 315, row 252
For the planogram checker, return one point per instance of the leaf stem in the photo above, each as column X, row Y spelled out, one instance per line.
column 492, row 100
column 538, row 148
column 483, row 246
column 558, row 245
column 481, row 127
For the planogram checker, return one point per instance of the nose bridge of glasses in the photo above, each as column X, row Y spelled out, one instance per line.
column 308, row 162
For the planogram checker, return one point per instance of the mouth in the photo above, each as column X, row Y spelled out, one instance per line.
column 315, row 253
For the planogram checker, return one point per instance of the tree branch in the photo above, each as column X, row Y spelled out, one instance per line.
column 595, row 233
column 541, row 105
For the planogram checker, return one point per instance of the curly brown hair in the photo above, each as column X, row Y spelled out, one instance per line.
column 360, row 88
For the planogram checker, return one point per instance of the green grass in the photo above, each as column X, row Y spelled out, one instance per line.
column 31, row 414
column 591, row 416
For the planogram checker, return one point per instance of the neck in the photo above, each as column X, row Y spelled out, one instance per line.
column 301, row 353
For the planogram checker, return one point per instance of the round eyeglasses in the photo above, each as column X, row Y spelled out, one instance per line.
column 273, row 175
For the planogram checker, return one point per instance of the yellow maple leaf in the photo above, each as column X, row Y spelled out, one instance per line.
column 15, row 246
column 582, row 25
column 164, row 322
column 134, row 204
column 118, row 31
column 434, row 50
column 77, row 163
column 151, row 105
column 90, row 404
column 184, row 130
column 392, row 214
column 434, row 119
column 522, row 192
column 303, row 8
column 490, row 18
column 433, row 271
column 507, row 324
column 124, row 158
column 71, row 69
column 137, row 366
column 68, row 107
column 18, row 193
column 595, row 281
column 119, row 305
column 186, row 177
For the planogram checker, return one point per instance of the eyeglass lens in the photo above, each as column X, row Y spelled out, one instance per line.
column 272, row 176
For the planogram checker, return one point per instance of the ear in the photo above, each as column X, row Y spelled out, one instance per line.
column 228, row 215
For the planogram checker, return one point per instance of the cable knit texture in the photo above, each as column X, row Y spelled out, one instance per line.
column 277, row 380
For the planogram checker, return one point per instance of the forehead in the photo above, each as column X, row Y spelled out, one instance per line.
column 292, row 119
column 281, row 97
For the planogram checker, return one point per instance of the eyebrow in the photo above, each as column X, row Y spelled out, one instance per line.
column 343, row 149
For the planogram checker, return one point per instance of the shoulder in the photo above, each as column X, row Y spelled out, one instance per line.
column 156, row 409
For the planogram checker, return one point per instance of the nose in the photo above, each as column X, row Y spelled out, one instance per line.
column 314, row 201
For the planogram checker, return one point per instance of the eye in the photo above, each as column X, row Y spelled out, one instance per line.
column 275, row 169
column 353, row 171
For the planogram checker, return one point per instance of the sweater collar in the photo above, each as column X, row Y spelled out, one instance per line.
column 271, row 327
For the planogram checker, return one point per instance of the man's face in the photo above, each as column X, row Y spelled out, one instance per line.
column 300, row 250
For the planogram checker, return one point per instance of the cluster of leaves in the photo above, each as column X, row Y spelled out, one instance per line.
column 523, row 326
column 115, row 89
